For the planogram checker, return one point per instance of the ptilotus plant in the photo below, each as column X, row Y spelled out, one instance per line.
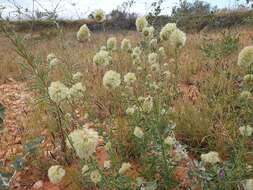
column 137, row 134
column 236, row 171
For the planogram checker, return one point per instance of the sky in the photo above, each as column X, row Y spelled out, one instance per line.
column 73, row 9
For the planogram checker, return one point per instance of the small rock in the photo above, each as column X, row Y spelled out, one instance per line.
column 38, row 185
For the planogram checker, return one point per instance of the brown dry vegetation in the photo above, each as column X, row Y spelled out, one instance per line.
column 197, row 122
column 191, row 59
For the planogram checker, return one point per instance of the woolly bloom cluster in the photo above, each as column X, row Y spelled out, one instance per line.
column 111, row 79
column 102, row 58
column 95, row 175
column 175, row 36
column 99, row 15
column 52, row 60
column 111, row 44
column 58, row 92
column 141, row 23
column 84, row 141
column 211, row 157
column 126, row 45
column 83, row 33
column 130, row 78
column 245, row 58
column 56, row 173
column 246, row 130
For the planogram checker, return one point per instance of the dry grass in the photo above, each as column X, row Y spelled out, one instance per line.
column 192, row 62
column 205, row 113
column 197, row 75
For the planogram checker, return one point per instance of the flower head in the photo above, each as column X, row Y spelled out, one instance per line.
column 141, row 23
column 177, row 38
column 246, row 130
column 167, row 30
column 56, row 173
column 152, row 58
column 77, row 90
column 211, row 157
column 161, row 52
column 99, row 15
column 245, row 95
column 170, row 140
column 84, row 141
column 130, row 78
column 112, row 44
column 124, row 168
column 95, row 176
column 248, row 78
column 153, row 44
column 102, row 58
column 136, row 53
column 77, row 76
column 148, row 32
column 111, row 79
column 148, row 104
column 54, row 62
column 58, row 91
column 126, row 45
column 138, row 132
column 107, row 164
column 248, row 184
column 50, row 57
column 245, row 58
column 85, row 169
column 180, row 154
column 83, row 33
column 131, row 110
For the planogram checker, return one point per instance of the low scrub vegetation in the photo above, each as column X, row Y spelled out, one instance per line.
column 135, row 110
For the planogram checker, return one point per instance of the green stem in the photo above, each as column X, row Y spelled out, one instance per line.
column 176, row 71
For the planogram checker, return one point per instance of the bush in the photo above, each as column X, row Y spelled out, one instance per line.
column 123, row 124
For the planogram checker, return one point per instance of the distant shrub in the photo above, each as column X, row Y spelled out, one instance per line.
column 228, row 44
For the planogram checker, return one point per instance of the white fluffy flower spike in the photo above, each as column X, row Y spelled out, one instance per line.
column 124, row 168
column 56, row 173
column 84, row 141
column 129, row 78
column 58, row 91
column 211, row 157
column 141, row 23
column 111, row 79
column 111, row 44
column 177, row 39
column 83, row 33
column 246, row 130
column 126, row 45
column 167, row 30
column 138, row 132
column 245, row 58
column 99, row 15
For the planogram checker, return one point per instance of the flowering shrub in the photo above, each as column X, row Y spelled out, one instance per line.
column 136, row 131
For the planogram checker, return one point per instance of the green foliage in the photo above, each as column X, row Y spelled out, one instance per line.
column 187, row 8
column 19, row 163
column 34, row 144
column 218, row 49
column 147, row 125
column 4, row 180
